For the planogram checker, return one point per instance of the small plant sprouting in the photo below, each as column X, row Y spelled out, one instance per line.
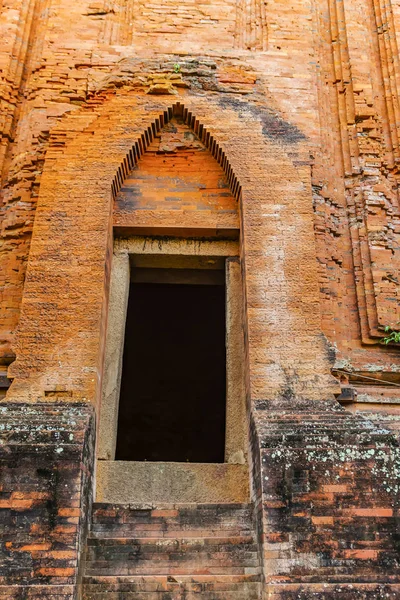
column 177, row 68
column 392, row 337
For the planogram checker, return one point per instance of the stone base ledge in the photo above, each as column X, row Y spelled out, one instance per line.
column 123, row 482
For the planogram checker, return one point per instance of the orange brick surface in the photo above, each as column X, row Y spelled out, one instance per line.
column 328, row 68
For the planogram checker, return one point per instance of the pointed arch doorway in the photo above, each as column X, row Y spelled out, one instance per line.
column 173, row 416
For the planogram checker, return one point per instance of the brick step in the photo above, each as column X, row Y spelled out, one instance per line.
column 322, row 420
column 167, row 556
column 156, row 531
column 161, row 545
column 319, row 441
column 318, row 427
column 192, row 568
column 319, row 433
column 48, row 436
column 37, row 592
column 310, row 415
column 353, row 424
column 235, row 510
column 185, row 520
column 249, row 591
column 184, row 551
column 320, row 436
column 232, row 587
column 341, row 423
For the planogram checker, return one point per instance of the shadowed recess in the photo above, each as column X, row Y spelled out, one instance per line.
column 172, row 403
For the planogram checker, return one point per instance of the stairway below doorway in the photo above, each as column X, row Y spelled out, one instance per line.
column 172, row 552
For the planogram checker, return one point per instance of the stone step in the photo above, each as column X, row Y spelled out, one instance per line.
column 148, row 482
column 232, row 587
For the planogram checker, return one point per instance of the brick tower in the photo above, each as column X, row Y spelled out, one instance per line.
column 199, row 242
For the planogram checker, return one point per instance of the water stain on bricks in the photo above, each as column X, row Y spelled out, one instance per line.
column 273, row 125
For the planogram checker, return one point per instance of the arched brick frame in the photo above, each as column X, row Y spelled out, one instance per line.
column 141, row 145
column 60, row 338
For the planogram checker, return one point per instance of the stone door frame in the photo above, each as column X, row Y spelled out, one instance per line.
column 236, row 422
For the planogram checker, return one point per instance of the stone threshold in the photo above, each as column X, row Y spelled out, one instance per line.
column 126, row 482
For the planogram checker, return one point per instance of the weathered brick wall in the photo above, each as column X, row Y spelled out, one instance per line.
column 327, row 490
column 282, row 95
column 46, row 458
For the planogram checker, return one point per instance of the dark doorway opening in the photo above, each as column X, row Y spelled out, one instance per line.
column 172, row 400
